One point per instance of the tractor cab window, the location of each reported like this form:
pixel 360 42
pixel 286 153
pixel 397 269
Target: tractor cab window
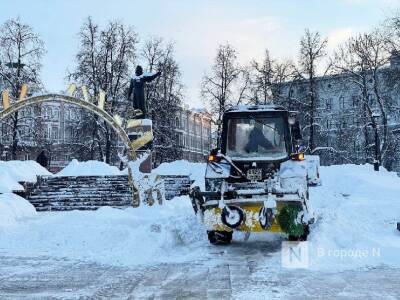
pixel 257 138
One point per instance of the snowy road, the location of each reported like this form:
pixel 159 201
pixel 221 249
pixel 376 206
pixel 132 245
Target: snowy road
pixel 231 274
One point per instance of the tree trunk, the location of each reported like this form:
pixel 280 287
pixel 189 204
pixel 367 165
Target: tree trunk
pixel 14 147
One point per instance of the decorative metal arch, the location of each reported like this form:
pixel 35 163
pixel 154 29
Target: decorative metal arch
pixel 115 123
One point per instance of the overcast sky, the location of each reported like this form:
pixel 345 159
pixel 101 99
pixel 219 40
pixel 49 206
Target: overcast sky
pixel 196 27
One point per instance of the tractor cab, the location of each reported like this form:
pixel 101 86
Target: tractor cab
pixel 255 140
pixel 259 137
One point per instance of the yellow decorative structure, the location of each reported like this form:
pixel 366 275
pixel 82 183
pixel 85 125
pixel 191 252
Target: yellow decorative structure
pixel 71 89
pixel 102 100
pixel 6 99
pixel 133 123
pixel 118 120
pixel 115 121
pixel 85 93
pixel 146 138
pixel 24 91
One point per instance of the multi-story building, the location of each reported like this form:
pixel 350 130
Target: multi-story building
pixel 50 126
pixel 193 132
pixel 343 127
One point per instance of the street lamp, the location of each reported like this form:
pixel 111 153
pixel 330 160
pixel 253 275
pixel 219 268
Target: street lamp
pixel 376 116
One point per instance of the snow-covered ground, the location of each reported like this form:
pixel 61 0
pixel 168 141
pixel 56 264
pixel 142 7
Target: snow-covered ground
pixel 14 209
pixel 356 212
pixel 88 168
pixel 133 236
pixel 196 171
pixel 12 172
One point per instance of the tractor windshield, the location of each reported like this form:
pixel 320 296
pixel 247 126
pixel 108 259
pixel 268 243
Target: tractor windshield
pixel 257 138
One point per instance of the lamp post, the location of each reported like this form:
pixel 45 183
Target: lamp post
pixel 376 116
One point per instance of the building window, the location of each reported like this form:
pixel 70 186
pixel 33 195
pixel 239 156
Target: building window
pixel 341 102
pixel 48 132
pixel 355 100
pixel 54 133
pixel 290 93
pixel 329 103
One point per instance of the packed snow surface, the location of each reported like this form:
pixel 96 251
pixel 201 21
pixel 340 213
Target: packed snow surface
pixel 88 168
pixel 14 209
pixel 14 171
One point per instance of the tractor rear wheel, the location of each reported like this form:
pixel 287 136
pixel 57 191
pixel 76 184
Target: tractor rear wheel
pixel 219 237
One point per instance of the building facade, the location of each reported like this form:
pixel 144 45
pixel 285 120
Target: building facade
pixel 345 105
pixel 193 134
pixel 49 127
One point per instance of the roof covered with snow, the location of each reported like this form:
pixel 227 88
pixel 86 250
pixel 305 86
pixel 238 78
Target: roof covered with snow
pixel 266 107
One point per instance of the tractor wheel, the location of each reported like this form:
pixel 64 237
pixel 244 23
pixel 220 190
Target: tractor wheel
pixel 219 237
pixel 232 217
pixel 302 237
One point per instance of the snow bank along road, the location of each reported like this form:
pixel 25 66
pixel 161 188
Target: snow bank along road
pixel 163 252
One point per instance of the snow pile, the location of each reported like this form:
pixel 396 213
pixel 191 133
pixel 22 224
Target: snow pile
pixel 357 210
pixel 168 233
pixel 12 172
pixel 89 168
pixel 196 171
pixel 13 209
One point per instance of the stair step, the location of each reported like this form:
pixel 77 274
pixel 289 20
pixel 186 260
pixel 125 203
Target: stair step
pixel 81 192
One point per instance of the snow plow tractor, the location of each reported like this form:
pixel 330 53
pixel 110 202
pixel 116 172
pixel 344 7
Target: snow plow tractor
pixel 257 180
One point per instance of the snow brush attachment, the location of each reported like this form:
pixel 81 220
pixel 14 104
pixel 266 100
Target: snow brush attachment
pixel 232 216
pixel 288 219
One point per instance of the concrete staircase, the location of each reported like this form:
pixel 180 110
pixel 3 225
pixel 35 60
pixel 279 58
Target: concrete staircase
pixel 80 192
pixel 176 185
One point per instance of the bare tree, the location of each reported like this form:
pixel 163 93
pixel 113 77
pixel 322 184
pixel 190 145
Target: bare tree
pixel 218 87
pixel 104 61
pixel 362 59
pixel 268 79
pixel 21 51
pixel 312 50
pixel 263 79
pixel 164 96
